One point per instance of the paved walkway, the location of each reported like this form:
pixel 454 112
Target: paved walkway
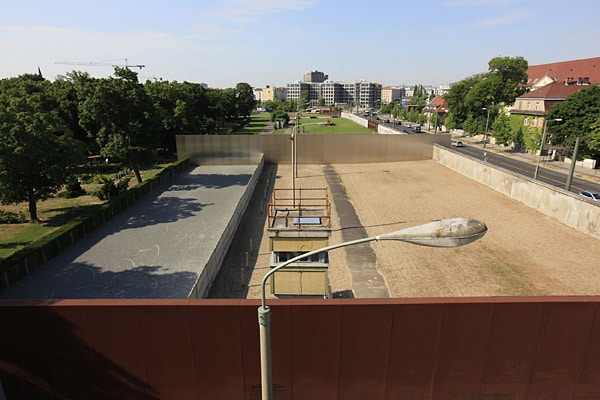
pixel 361 259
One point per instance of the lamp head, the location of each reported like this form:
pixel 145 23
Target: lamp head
pixel 452 232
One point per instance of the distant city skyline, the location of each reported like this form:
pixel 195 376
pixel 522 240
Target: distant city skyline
pixel 275 42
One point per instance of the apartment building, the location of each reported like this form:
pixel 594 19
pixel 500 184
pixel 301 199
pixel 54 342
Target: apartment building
pixel 271 93
pixel 315 77
pixel 391 94
pixel 363 94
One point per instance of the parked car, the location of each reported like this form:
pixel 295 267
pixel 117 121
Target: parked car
pixel 457 143
pixel 590 195
pixel 416 129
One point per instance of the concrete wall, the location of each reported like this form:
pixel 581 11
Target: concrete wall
pixel 376 349
pixel 359 120
pixel 211 269
pixel 563 206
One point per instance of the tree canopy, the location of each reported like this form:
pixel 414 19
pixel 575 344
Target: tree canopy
pixel 580 116
pixel 36 147
pixel 473 98
pixel 119 114
pixel 48 127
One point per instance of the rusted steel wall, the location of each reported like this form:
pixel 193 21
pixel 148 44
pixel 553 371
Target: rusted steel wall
pixel 466 348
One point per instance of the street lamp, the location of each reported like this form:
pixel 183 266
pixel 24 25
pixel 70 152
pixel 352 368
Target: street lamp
pixel 537 167
pixel 452 232
pixel 572 168
pixel 487 121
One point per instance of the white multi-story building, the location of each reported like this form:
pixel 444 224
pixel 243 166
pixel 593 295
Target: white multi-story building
pixel 363 94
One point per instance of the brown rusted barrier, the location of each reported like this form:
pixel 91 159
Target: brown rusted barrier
pixel 442 348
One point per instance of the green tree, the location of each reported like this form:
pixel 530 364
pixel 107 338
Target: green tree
pixel 458 110
pixel 36 147
pixel 303 101
pixel 519 137
pixel 180 109
pixel 502 84
pixel 502 131
pixel 594 143
pixel 472 125
pixel 579 114
pixel 245 102
pixel 120 115
pixel 67 94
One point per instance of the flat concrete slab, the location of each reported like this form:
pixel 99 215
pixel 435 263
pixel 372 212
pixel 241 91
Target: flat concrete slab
pixel 155 249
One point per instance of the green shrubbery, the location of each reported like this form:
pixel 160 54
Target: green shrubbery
pixel 8 217
pixel 110 189
pixel 72 188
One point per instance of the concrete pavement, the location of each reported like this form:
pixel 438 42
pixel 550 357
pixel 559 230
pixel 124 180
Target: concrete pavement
pixel 155 249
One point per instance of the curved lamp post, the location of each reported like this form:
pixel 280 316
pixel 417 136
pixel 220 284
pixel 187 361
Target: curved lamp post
pixel 487 121
pixel 452 232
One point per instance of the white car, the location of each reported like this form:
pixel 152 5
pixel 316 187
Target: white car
pixel 590 195
pixel 457 143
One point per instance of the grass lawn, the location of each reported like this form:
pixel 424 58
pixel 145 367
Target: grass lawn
pixel 323 124
pixel 257 125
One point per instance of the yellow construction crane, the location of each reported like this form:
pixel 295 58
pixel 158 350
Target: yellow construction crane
pixel 100 64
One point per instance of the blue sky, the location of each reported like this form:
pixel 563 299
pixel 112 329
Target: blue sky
pixel 274 42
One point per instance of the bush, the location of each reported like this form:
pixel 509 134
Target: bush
pixel 72 188
pixel 8 217
pixel 109 189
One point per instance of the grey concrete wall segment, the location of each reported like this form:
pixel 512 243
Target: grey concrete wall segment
pixel 311 149
pixel 157 249
pixel 208 274
pixel 551 201
pixel 359 120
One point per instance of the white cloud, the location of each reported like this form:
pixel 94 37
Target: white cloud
pixel 483 3
pixel 249 10
pixel 502 19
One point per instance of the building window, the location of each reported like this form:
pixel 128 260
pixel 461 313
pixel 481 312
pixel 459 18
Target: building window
pixel 288 255
pixel 537 105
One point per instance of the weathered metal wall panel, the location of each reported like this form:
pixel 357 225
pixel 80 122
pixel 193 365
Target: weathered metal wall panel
pixel 468 348
pixel 310 149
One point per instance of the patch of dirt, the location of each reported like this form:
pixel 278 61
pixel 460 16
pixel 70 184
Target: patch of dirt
pixel 524 252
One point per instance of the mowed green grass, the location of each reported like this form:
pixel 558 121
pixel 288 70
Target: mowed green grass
pixel 313 124
pixel 324 124
pixel 258 123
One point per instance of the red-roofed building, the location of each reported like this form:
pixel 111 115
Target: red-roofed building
pixel 436 112
pixel 550 84
pixel 574 71
pixel 539 101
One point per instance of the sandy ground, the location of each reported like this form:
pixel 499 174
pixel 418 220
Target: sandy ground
pixel 524 252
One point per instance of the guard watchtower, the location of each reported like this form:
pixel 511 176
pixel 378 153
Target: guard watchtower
pixel 299 222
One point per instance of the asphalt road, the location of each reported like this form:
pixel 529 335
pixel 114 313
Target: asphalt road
pixel 554 177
